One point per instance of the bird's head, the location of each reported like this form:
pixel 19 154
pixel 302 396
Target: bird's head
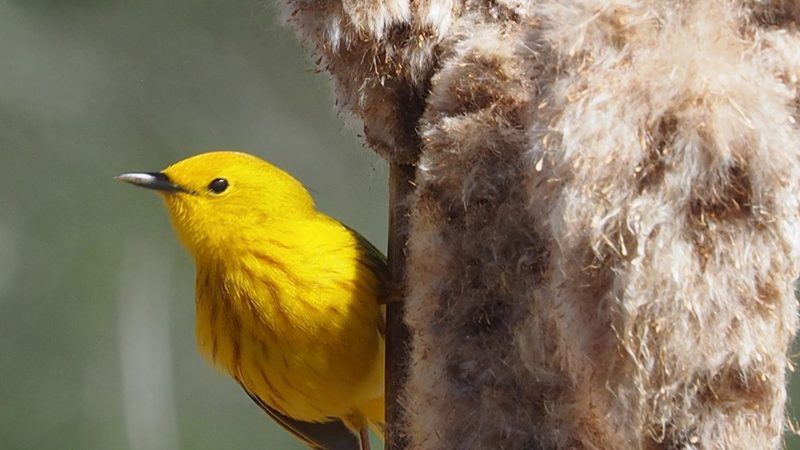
pixel 221 198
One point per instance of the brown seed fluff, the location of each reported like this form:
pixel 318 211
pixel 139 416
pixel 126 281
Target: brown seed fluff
pixel 605 228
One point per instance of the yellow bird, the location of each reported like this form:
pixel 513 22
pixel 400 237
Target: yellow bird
pixel 287 298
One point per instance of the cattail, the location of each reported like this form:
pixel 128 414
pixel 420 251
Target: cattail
pixel 604 227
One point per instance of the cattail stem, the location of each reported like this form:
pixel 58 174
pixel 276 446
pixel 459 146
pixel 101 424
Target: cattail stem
pixel 401 177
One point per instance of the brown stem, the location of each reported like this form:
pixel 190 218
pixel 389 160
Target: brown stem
pixel 401 179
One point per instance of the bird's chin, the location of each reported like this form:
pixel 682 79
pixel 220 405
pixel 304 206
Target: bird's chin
pixel 182 217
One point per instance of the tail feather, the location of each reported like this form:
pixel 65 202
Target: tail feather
pixel 332 435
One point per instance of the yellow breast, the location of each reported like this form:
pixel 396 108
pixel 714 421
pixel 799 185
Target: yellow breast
pixel 297 322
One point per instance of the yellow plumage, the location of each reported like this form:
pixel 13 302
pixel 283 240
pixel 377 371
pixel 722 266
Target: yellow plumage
pixel 287 298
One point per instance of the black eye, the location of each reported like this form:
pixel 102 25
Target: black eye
pixel 218 185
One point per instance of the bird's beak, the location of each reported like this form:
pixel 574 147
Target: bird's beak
pixel 151 180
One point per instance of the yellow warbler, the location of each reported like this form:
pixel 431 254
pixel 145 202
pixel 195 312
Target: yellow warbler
pixel 287 298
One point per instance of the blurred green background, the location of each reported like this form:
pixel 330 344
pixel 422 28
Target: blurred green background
pixel 96 298
pixel 97 343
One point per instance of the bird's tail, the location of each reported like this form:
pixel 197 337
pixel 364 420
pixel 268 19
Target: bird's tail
pixel 333 435
pixel 374 411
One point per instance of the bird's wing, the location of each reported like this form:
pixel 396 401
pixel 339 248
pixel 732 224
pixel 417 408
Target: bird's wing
pixel 371 256
pixel 332 435
pixel 375 261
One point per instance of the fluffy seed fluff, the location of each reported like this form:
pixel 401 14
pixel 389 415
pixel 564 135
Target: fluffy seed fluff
pixel 605 229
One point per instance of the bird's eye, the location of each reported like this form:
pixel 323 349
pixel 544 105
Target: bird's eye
pixel 218 185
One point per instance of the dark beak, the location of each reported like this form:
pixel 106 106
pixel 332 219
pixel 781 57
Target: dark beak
pixel 151 180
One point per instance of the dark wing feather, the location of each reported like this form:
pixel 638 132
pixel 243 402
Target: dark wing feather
pixel 371 257
pixel 332 435
pixel 375 261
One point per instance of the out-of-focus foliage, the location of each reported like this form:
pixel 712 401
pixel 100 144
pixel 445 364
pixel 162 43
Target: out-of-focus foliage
pixel 96 297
